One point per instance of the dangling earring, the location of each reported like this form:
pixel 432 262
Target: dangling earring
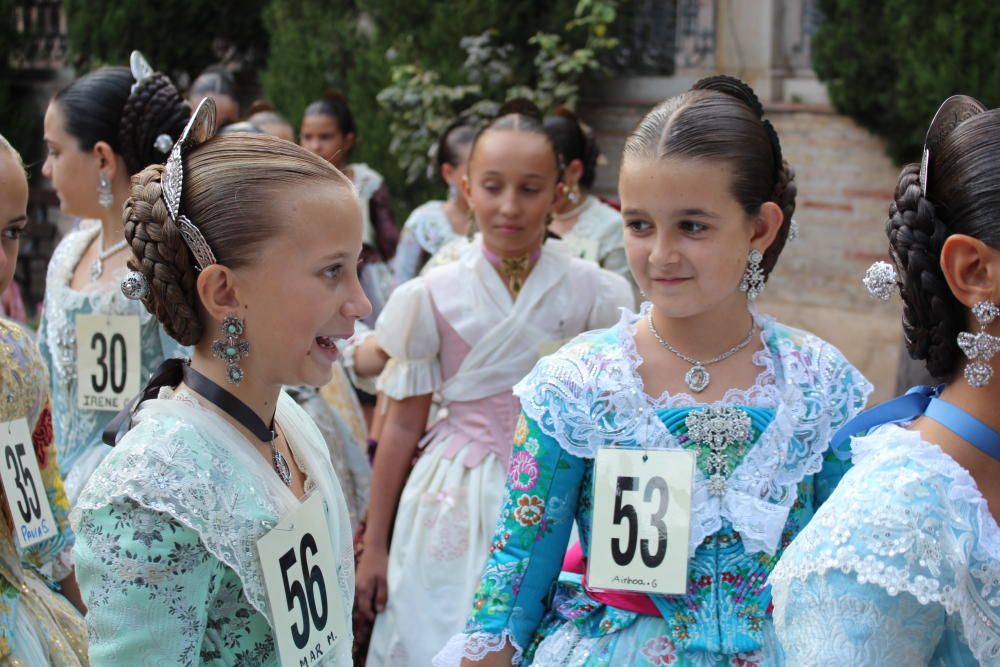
pixel 981 346
pixel 452 191
pixel 470 233
pixel 753 278
pixel 574 194
pixel 104 196
pixel 232 348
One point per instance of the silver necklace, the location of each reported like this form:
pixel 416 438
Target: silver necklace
pixel 698 377
pixel 97 268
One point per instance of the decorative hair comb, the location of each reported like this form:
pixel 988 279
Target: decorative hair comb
pixel 880 279
pixel 199 129
pixel 142 70
pixel 952 113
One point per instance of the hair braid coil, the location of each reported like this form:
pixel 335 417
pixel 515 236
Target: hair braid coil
pixel 160 254
pixel 932 316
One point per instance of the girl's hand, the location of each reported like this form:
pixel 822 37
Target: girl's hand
pixel 371 582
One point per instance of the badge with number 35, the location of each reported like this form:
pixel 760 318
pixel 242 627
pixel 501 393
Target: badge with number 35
pixel 22 485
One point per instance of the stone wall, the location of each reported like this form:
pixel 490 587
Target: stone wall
pixel 845 182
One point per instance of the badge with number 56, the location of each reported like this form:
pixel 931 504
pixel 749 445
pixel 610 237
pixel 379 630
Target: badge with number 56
pixel 642 520
pixel 300 572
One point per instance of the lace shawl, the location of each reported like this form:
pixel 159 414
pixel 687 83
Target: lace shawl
pixel 190 464
pixel 589 395
pixel 906 519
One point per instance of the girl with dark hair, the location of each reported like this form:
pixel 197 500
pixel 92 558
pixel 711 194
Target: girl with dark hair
pixel 902 565
pixel 466 331
pixel 593 229
pixel 219 499
pixel 100 348
pixel 328 130
pixel 434 224
pixel 690 442
pixel 38 626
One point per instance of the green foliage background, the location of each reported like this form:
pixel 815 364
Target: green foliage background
pixel 889 64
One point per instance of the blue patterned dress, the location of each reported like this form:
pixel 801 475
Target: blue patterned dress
pixel 589 395
pixel 77 430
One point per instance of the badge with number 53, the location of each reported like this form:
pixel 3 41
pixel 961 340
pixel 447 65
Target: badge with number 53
pixel 642 520
pixel 300 572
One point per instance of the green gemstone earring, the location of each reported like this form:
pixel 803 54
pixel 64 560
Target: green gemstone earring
pixel 232 348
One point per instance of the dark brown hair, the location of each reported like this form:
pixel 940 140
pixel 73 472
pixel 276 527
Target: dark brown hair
pixel 720 118
pixel 963 197
pixel 231 184
pixel 519 115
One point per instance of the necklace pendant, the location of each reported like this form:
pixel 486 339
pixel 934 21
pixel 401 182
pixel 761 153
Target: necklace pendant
pixel 717 485
pixel 281 466
pixel 96 269
pixel 697 378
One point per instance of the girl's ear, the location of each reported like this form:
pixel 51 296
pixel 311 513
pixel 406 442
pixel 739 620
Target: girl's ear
pixel 766 225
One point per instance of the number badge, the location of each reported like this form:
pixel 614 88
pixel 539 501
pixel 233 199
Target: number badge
pixel 642 520
pixel 22 486
pixel 300 573
pixel 109 360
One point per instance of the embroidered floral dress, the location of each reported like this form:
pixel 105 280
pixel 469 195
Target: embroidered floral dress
pixel 426 231
pixel 78 430
pixel 588 396
pixel 900 567
pixel 37 625
pixel 167 529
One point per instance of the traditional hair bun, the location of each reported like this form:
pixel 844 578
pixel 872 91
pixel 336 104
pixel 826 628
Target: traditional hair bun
pixel 153 109
pixel 734 87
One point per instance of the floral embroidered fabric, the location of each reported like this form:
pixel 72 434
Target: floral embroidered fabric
pixel 589 395
pixel 902 566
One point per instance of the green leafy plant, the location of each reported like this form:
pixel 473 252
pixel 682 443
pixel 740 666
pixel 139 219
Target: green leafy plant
pixel 890 64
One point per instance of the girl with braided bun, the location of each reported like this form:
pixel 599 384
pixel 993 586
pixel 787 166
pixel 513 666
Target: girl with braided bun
pixel 38 625
pixel 902 565
pixel 100 130
pixel 217 460
pixel 690 442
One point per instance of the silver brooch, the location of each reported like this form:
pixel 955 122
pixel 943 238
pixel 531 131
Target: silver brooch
pixel 719 427
pixel 164 143
pixel 880 280
pixel 135 286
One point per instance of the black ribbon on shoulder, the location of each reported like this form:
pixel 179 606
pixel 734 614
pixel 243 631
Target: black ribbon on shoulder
pixel 169 374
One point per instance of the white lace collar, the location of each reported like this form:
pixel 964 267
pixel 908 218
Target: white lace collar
pixel 588 395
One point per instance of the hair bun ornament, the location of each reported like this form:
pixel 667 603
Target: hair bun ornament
pixel 953 112
pixel 141 69
pixel 199 129
pixel 733 87
pixel 135 286
pixel 880 280
pixel 520 106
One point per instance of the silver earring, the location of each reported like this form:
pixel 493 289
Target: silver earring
pixel 232 348
pixel 573 195
pixel 981 346
pixel 104 196
pixel 753 278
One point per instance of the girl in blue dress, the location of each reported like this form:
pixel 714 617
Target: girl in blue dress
pixel 902 565
pixel 698 374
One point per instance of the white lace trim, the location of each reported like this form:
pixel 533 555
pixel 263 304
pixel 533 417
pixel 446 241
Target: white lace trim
pixel 475 646
pixel 933 554
pixel 589 395
pixel 410 377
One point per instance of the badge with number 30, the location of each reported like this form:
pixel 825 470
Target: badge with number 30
pixel 642 520
pixel 300 573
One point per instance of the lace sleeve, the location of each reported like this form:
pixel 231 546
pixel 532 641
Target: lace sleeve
pixel 543 485
pixel 833 620
pixel 146 581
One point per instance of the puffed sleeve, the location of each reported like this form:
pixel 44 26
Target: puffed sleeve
pixel 613 293
pixel 146 580
pixel 532 532
pixel 408 333
pixel 348 350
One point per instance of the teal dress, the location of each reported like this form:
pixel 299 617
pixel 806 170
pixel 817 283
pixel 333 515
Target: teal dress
pixel 78 430
pixel 589 396
pixel 167 528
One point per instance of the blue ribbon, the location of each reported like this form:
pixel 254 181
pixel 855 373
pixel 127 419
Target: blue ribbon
pixel 919 401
